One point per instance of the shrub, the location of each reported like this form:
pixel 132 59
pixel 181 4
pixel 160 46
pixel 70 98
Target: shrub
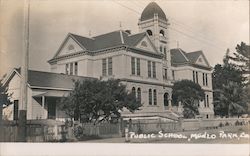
pixel 221 125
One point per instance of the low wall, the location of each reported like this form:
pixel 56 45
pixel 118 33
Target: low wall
pixel 196 124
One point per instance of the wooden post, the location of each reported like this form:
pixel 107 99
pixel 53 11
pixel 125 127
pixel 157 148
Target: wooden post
pixel 21 131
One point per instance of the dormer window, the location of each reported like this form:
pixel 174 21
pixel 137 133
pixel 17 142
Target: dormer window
pixel 162 33
pixel 149 32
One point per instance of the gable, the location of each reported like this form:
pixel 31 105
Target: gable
pixel 146 44
pixel 68 47
pixel 201 61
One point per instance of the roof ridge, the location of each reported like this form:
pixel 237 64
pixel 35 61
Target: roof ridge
pixel 136 34
pixel 122 39
pixel 106 33
pixel 182 52
pixel 81 36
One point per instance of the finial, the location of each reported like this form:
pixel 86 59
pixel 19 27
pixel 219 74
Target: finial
pixel 120 25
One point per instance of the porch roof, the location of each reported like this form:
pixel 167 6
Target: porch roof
pixel 52 93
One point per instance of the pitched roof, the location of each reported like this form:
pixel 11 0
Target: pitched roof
pixel 179 56
pixel 112 39
pixel 52 80
pixel 193 56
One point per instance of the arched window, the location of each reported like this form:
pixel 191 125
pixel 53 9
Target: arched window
pixel 162 33
pixel 133 91
pixel 139 94
pixel 155 97
pixel 150 96
pixel 166 99
pixel 160 48
pixel 149 32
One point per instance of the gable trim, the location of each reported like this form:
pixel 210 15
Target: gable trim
pixel 64 41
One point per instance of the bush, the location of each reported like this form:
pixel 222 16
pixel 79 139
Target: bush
pixel 221 125
pixel 78 132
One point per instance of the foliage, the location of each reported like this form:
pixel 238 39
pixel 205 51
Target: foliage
pixel 228 84
pixel 97 101
pixel 4 95
pixel 242 57
pixel 187 92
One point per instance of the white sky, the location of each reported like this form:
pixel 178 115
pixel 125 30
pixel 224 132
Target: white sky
pixel 208 25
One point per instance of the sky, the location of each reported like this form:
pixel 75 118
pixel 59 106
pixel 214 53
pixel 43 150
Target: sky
pixel 207 25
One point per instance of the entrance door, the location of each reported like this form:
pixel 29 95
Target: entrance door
pixel 51 108
pixel 15 115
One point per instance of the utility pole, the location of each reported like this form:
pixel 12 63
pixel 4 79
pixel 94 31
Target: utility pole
pixel 24 75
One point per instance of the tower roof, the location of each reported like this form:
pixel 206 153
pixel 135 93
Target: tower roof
pixel 151 9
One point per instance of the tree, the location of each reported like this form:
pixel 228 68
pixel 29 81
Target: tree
pixel 188 93
pixel 4 95
pixel 228 85
pixel 96 101
pixel 242 57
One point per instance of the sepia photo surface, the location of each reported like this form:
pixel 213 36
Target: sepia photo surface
pixel 124 77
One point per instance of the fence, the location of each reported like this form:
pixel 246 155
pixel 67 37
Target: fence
pixel 102 130
pixel 36 131
pixel 154 126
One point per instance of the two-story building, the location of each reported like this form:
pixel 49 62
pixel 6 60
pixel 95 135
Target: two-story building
pixel 142 61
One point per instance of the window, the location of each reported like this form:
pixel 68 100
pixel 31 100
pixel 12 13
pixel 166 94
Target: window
pixel 139 94
pixel 71 69
pixel 166 99
pixel 193 76
pixel 203 76
pixel 76 68
pixel 154 70
pixel 133 65
pixel 207 101
pixel 149 68
pixel 165 52
pixel 160 48
pixel 104 67
pixel 155 97
pixel 149 32
pixel 110 70
pixel 67 68
pixel 206 80
pixel 165 76
pixel 162 33
pixel 150 96
pixel 197 77
pixel 133 91
pixel 138 66
pixel 173 74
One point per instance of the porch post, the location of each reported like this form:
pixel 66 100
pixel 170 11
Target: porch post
pixel 43 113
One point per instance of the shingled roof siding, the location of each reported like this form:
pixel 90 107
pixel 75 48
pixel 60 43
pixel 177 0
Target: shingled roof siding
pixel 52 80
pixel 88 43
pixel 193 56
pixel 134 39
pixel 177 57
